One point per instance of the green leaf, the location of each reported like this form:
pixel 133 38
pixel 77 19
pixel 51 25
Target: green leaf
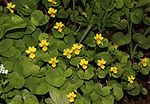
pixel 146 20
pixel 68 72
pixel 137 15
pixel 75 61
pixel 29 98
pixel 5 44
pixel 17 99
pixel 118 93
pixel 62 13
pixel 9 65
pixel 119 4
pixel 88 87
pixel 135 91
pixel 32 83
pixel 54 78
pixel 108 99
pixel 58 96
pixel 69 40
pixel 19 45
pixel 16 34
pixel 9 53
pixel 88 74
pixel 144 91
pixel 103 91
pixel 120 39
pixel 10 22
pixel 141 40
pixel 38 18
pixel 16 79
pixel 57 34
pixel 43 36
pixel 43 87
pixel 66 3
pixel 90 54
pixel 83 1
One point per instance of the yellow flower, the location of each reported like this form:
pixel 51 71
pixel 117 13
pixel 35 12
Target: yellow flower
pixel 31 50
pixel 52 12
pixel 83 63
pixel 53 2
pixel 101 63
pixel 85 14
pixel 131 79
pixel 10 7
pixel 114 69
pixel 32 55
pixel 53 62
pixel 115 46
pixel 71 96
pixel 43 43
pixel 77 48
pixel 98 38
pixel 67 52
pixel 144 61
pixel 59 26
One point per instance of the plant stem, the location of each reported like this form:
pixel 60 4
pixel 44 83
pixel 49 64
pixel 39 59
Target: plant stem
pixel 85 33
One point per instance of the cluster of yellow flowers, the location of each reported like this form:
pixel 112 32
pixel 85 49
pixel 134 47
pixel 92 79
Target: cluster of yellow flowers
pixel 83 63
pixel 98 38
pixel 31 51
pixel 53 62
pixel 44 44
pixel 76 48
pixel 51 11
pixel 11 7
pixel 131 79
pixel 101 63
pixel 71 96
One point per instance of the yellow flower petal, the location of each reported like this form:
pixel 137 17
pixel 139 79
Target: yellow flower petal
pixel 32 55
pixel 71 99
pixel 44 48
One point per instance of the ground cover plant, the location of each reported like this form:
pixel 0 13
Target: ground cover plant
pixel 73 51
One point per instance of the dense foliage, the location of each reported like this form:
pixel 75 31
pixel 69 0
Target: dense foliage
pixel 73 51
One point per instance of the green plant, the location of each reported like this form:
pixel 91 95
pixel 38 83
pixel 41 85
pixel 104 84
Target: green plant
pixel 73 51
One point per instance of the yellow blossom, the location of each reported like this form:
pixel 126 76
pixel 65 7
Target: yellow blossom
pixel 114 69
pixel 11 7
pixel 77 48
pixel 43 43
pixel 83 63
pixel 85 14
pixel 115 46
pixel 32 55
pixel 59 26
pixel 67 52
pixel 131 79
pixel 144 62
pixel 101 63
pixel 53 2
pixel 31 50
pixel 52 12
pixel 53 62
pixel 98 38
pixel 71 96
